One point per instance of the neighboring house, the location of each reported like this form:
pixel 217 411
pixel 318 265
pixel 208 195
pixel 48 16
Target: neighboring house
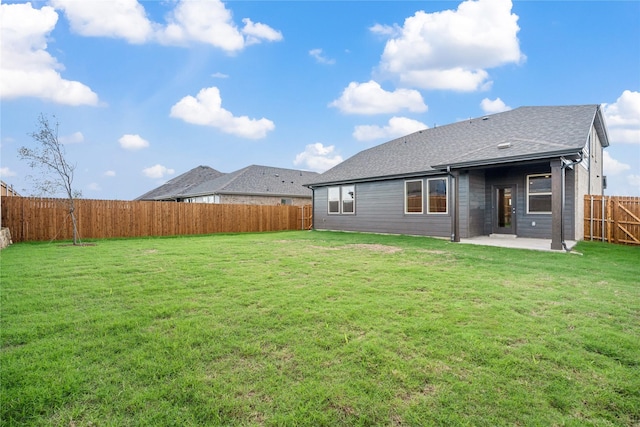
pixel 522 172
pixel 7 190
pixel 174 189
pixel 254 185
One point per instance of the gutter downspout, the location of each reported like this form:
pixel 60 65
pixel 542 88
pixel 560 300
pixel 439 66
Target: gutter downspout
pixel 566 163
pixel 313 206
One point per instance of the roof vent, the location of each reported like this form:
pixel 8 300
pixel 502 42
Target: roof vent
pixel 504 145
pixel 485 118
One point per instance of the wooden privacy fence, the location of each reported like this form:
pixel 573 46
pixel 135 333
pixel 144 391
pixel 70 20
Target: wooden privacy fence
pixel 612 219
pixel 32 219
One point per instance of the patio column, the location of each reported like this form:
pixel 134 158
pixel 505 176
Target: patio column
pixel 556 204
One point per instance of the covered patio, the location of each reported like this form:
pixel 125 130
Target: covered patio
pixel 512 241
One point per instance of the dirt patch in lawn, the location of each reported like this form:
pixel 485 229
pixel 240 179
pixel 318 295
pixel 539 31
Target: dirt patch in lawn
pixel 375 248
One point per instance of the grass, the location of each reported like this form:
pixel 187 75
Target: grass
pixel 318 328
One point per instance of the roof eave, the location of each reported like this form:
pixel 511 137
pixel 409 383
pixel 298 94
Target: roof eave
pixel 240 193
pixel 511 159
pixel 374 178
pixel 601 127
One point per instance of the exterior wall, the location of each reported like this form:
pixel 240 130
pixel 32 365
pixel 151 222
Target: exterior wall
pixel 527 225
pixel 7 190
pixel 379 208
pixel 472 203
pixel 589 179
pixel 262 200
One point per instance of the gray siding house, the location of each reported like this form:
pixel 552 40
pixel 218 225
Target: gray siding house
pixel 523 172
pixel 252 185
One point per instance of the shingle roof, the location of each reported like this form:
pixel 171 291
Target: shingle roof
pixel 258 180
pixel 181 183
pixel 524 133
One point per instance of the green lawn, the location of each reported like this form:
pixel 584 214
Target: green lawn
pixel 318 328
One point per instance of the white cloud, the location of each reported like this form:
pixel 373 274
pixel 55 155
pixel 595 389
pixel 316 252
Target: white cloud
pixel 320 58
pixel 110 173
pixel 94 186
pixel 634 181
pixel 612 166
pixel 623 118
pixel 205 22
pixel 133 142
pixel 370 98
pixel 211 23
pixel 219 75
pixel 74 138
pixel 386 30
pixel 208 22
pixel 157 171
pixel 317 157
pixel 5 172
pixel 27 69
pixel 256 32
pixel 206 109
pixel 495 106
pixel 398 126
pixel 114 18
pixel 452 49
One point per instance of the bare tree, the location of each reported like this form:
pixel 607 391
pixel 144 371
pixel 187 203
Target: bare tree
pixel 49 157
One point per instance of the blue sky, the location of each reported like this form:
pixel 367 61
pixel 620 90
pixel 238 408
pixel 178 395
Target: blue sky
pixel 146 90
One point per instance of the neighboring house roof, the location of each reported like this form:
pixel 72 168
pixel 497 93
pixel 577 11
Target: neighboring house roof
pixel 522 134
pixel 258 180
pixel 173 188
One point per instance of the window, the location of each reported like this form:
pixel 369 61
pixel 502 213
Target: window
pixel 539 193
pixel 342 199
pixel 203 199
pixel 413 197
pixel 334 200
pixel 286 202
pixel 348 199
pixel 437 201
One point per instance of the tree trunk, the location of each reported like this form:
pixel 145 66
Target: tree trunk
pixel 72 212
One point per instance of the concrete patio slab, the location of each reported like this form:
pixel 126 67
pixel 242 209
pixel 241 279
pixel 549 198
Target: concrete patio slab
pixel 510 241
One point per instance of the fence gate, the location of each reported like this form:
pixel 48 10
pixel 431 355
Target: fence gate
pixel 307 217
pixel 612 219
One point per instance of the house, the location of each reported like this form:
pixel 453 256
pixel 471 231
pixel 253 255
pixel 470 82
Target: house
pixel 523 172
pixel 7 190
pixel 255 185
pixel 173 189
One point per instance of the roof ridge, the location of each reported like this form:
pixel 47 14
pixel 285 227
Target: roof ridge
pixel 236 175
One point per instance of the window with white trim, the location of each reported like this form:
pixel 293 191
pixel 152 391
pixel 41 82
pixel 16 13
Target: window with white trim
pixel 333 200
pixel 215 198
pixel 437 200
pixel 413 197
pixel 348 199
pixel 341 200
pixel 539 193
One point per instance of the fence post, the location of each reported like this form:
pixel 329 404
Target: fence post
pixel 591 220
pixel 603 219
pixel 610 220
